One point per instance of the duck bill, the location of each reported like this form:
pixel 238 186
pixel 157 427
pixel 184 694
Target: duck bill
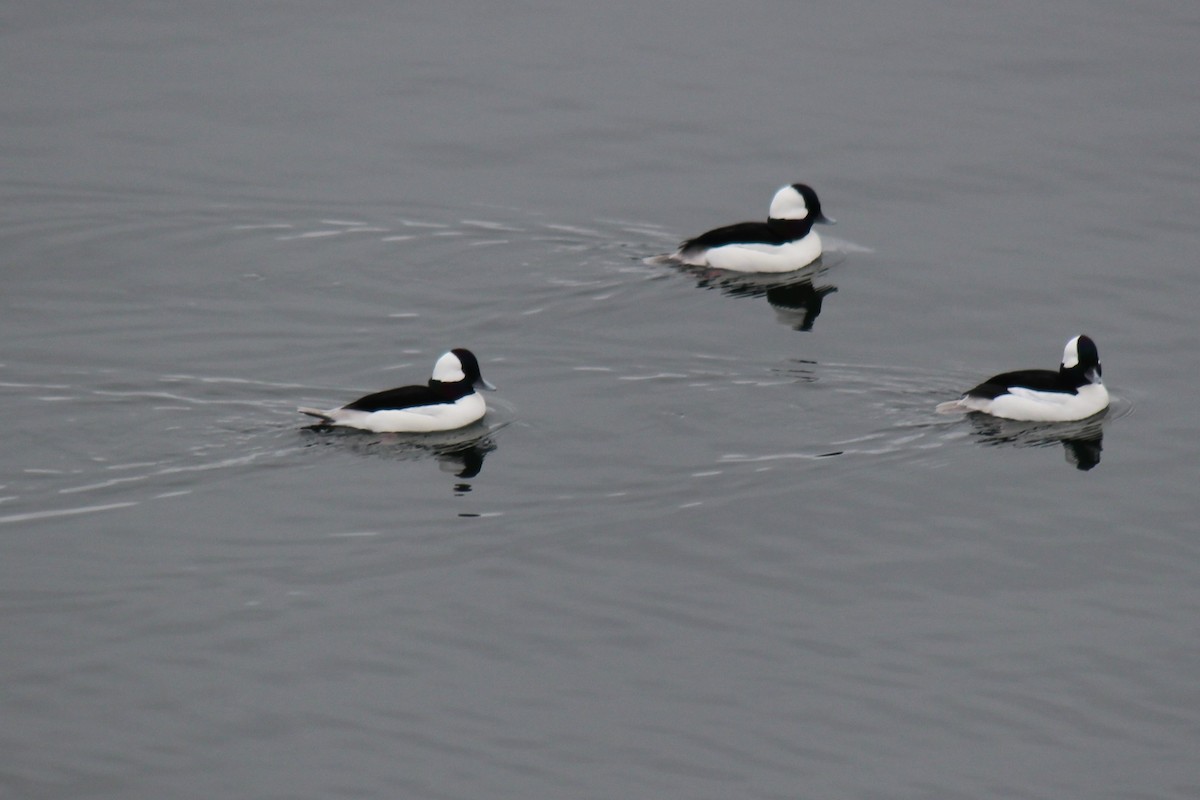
pixel 824 220
pixel 485 384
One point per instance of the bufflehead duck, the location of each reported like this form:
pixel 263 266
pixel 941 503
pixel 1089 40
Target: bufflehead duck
pixel 447 402
pixel 1042 395
pixel 785 242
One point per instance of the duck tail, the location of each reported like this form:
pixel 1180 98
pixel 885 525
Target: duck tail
pixel 666 259
pixel 316 412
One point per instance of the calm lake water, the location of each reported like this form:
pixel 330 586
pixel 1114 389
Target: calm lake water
pixel 712 541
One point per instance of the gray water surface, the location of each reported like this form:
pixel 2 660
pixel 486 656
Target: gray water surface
pixel 712 540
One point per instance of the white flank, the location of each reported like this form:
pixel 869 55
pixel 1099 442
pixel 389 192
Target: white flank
pixel 1033 406
pixel 750 257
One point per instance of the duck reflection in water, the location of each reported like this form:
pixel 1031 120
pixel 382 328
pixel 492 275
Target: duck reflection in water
pixel 459 453
pixel 795 297
pixel 1082 441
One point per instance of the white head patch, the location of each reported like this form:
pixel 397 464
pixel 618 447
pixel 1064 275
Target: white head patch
pixel 1071 354
pixel 788 204
pixel 448 369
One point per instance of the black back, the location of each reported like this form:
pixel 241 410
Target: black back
pixel 412 396
pixel 1042 380
pixel 773 231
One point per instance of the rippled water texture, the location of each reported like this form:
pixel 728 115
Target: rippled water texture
pixel 711 540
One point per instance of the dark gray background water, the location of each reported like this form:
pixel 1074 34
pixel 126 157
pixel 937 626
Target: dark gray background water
pixel 705 554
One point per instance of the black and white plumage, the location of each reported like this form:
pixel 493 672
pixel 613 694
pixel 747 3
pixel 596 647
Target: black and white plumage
pixel 448 402
pixel 1074 392
pixel 785 242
